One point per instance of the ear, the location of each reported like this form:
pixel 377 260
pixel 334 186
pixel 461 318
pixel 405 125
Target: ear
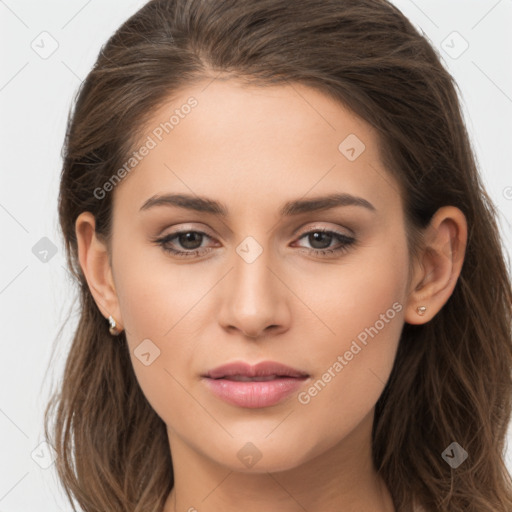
pixel 439 264
pixel 94 260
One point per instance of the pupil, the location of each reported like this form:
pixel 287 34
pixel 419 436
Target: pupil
pixel 188 238
pixel 314 237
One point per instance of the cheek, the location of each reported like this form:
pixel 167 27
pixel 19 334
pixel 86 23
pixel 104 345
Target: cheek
pixel 351 296
pixel 159 341
pixel 367 319
pixel 159 303
pixel 155 293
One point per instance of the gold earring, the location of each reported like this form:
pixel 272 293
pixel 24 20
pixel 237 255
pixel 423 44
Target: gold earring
pixel 421 310
pixel 113 326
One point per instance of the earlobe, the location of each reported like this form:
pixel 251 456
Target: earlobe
pixel 441 262
pixel 94 260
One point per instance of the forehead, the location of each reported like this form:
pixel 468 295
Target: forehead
pixel 248 144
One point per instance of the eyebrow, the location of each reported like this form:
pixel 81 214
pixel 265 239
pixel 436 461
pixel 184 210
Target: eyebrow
pixel 290 208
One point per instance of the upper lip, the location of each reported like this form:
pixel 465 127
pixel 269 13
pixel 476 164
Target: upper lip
pixel 263 369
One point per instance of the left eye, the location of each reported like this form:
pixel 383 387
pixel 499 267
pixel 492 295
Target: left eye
pixel 187 239
pixel 191 241
pixel 321 236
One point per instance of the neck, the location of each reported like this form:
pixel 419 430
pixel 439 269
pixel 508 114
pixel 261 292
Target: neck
pixel 342 478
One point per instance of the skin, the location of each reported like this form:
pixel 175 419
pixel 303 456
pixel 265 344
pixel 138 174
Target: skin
pixel 253 149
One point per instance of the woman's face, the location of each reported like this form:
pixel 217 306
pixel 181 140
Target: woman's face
pixel 261 283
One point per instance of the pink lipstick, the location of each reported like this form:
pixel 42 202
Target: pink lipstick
pixel 254 386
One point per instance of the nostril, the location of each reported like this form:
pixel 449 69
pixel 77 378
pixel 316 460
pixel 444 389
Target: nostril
pixel 269 328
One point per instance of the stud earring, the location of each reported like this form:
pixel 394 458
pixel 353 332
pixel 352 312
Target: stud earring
pixel 113 326
pixel 421 310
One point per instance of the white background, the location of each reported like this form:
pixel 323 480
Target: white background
pixel 35 96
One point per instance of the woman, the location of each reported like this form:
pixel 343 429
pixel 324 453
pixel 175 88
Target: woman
pixel 293 293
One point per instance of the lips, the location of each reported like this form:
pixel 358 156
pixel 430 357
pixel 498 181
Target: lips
pixel 265 370
pixel 261 385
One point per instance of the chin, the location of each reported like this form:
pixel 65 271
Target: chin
pixel 259 456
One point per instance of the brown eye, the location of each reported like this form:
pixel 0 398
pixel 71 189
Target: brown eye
pixel 321 239
pixel 189 240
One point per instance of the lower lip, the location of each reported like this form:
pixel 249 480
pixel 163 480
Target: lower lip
pixel 254 394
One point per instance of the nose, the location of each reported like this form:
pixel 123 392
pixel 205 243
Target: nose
pixel 254 299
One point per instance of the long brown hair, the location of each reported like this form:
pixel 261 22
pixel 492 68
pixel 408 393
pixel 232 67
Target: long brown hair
pixel 451 381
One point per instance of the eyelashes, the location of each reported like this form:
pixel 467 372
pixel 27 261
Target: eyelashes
pixel 344 243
